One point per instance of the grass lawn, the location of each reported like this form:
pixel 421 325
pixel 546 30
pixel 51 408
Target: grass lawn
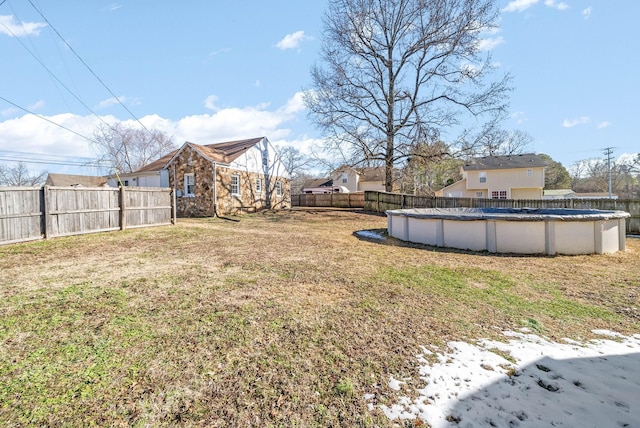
pixel 278 319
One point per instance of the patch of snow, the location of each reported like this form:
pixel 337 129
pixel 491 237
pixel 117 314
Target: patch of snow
pixel 590 384
pixel 395 384
pixel 370 234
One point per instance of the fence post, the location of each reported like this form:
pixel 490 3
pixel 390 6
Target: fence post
pixel 45 212
pixel 174 208
pixel 123 216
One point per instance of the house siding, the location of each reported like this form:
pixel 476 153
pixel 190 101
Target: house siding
pixel 201 204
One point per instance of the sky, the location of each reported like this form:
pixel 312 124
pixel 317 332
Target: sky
pixel 213 71
pixel 590 383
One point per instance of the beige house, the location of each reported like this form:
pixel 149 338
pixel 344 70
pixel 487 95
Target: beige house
pixel 230 177
pixel 500 177
pixel 359 179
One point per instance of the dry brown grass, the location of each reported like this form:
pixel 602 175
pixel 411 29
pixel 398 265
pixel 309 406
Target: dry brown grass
pixel 280 319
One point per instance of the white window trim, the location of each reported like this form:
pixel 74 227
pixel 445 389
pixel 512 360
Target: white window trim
pixel 186 184
pixel 239 188
pixel 258 185
pixel 482 176
pixel 497 193
pixel 279 188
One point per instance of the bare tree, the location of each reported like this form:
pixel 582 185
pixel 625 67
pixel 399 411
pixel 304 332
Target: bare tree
pixel 398 71
pixel 493 140
pixel 430 168
pixel 126 149
pixel 19 175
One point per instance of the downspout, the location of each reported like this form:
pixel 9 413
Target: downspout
pixel 215 189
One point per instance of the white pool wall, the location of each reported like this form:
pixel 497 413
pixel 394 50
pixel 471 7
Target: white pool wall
pixel 542 235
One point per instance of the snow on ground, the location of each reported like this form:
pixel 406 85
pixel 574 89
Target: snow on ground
pixel 370 234
pixel 570 384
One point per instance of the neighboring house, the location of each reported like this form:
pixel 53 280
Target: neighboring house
pixel 64 180
pixel 222 178
pixel 359 179
pixel 558 194
pixel 320 185
pixel 500 177
pixel 570 194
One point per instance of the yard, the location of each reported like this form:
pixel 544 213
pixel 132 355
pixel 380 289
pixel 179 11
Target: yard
pixel 278 319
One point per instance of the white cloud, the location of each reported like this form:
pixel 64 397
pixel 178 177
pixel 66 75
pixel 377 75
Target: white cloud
pixel 604 124
pixel 114 6
pixel 219 51
pixel 570 123
pixel 292 41
pixel 522 5
pixel 491 43
pixel 587 13
pixel 36 106
pixel 35 135
pixel 109 102
pixel 210 103
pixel 9 111
pixel 10 27
pixel 559 6
pixel 519 117
pixel 519 5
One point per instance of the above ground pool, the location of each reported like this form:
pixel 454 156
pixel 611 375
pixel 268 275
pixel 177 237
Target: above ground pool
pixel 512 230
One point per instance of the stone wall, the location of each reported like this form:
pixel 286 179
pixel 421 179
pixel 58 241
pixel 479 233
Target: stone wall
pixel 202 203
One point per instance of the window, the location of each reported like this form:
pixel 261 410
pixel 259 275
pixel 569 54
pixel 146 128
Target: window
pixel 235 184
pixel 499 194
pixel 483 176
pixel 265 158
pixel 258 185
pixel 529 173
pixel 278 188
pixel 479 194
pixel 345 178
pixel 189 185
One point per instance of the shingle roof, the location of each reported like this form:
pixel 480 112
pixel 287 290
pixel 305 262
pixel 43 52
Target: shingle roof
pixel 63 180
pixel 318 182
pixel 225 152
pixel 505 162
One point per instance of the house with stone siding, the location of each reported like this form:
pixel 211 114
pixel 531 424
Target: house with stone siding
pixel 223 178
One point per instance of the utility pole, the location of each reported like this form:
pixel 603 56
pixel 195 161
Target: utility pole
pixel 608 151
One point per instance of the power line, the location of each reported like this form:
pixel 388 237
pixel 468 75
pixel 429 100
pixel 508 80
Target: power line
pixel 51 74
pixel 88 67
pixel 50 159
pixel 49 120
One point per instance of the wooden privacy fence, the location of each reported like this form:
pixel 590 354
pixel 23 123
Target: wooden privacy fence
pixel 382 201
pixel 31 213
pixel 337 200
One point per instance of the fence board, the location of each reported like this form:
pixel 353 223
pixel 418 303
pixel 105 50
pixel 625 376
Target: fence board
pixel 35 213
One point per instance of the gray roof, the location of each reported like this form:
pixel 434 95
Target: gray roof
pixel 525 160
pixel 75 180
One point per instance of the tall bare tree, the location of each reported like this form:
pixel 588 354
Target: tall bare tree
pixel 492 140
pixel 126 149
pixel 398 71
pixel 19 175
